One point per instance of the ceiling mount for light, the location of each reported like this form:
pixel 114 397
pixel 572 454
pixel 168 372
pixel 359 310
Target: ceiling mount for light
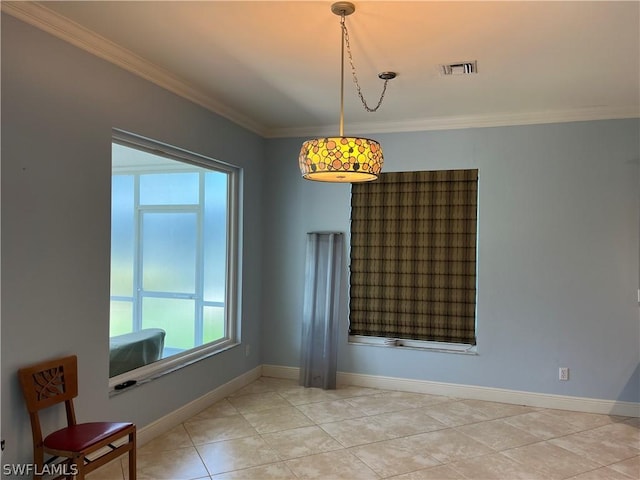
pixel 343 8
pixel 344 159
pixel 387 75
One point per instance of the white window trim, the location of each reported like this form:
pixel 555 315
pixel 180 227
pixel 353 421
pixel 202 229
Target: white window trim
pixel 404 344
pixel 162 367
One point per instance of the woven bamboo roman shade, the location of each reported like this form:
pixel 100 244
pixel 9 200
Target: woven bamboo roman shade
pixel 413 256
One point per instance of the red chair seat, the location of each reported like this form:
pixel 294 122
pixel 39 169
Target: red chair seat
pixel 76 438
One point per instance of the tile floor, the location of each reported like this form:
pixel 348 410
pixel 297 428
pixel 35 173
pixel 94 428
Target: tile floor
pixel 273 428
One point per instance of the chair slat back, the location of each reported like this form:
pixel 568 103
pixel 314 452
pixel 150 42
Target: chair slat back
pixel 48 383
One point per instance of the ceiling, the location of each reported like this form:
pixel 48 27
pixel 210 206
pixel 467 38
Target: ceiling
pixel 274 67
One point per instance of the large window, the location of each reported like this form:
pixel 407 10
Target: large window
pixel 413 258
pixel 174 224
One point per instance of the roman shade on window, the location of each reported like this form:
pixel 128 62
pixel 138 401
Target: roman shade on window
pixel 413 256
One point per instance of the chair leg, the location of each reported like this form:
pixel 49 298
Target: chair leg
pixel 132 456
pixel 38 461
pixel 79 463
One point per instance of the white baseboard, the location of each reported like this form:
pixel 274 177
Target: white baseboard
pixel 166 423
pixel 544 400
pixel 561 402
pixel 277 371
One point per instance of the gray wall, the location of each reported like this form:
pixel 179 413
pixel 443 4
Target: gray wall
pixel 59 105
pixel 558 241
pixel 558 257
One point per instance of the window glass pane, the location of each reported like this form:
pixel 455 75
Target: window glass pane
pixel 215 233
pixel 169 189
pixel 170 249
pixel 213 324
pixel 122 235
pixel 169 252
pixel 121 318
pixel 175 317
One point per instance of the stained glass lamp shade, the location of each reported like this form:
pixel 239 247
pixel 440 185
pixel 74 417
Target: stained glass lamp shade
pixel 343 159
pixel 340 159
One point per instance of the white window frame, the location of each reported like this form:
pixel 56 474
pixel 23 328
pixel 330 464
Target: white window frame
pixel 233 281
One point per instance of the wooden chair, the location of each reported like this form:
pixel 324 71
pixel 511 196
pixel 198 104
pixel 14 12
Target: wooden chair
pixel 55 381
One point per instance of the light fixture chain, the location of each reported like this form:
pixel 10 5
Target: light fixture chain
pixel 355 76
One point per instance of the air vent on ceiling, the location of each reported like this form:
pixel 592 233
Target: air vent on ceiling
pixel 461 68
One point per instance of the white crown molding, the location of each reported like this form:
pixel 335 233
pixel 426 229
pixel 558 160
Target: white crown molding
pixel 466 121
pixel 38 15
pixel 533 399
pixel 41 17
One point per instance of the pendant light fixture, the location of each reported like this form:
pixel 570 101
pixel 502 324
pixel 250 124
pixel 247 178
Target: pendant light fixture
pixel 344 159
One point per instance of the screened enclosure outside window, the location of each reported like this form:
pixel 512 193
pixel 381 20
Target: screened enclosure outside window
pixel 173 223
pixel 413 256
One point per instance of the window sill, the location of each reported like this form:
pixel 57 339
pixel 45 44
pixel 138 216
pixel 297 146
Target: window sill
pixel 403 344
pixel 154 370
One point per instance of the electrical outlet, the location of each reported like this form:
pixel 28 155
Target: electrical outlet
pixel 563 373
pixel 247 350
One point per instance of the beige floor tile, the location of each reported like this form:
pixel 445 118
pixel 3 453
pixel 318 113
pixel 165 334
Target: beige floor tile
pixel 277 419
pixel 605 445
pixel 603 473
pixel 581 420
pixel 630 467
pixel 338 465
pixel 498 410
pixel 496 466
pixel 179 464
pixel 498 434
pixel 416 400
pixel 273 471
pixel 303 396
pixel 542 426
pixel 553 461
pixel 110 471
pixel 389 401
pixel 276 429
pixel 376 404
pixel 454 414
pixel 257 386
pixel 633 421
pixel 216 429
pixel 177 437
pixel 278 384
pixel 254 402
pixel 333 411
pixel 446 445
pixel 393 457
pixel 406 422
pixel 351 391
pixel 125 465
pixel 237 454
pixel 299 442
pixel 219 409
pixel 622 432
pixel 442 472
pixel 354 432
